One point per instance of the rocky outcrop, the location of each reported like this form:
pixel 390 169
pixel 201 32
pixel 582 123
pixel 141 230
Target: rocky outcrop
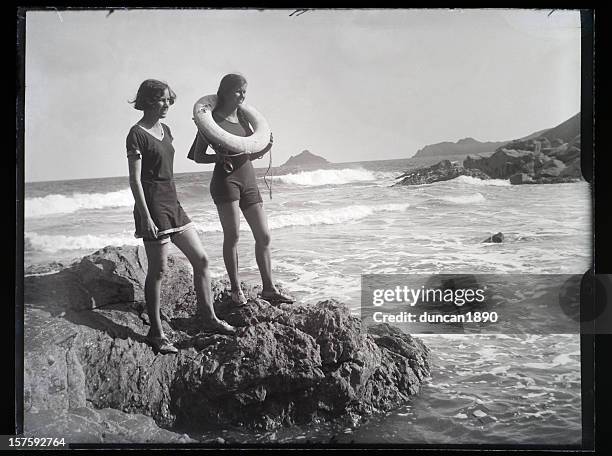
pixel 547 156
pixel 496 238
pixel 502 164
pixel 552 157
pixel 305 159
pixel 87 366
pixel 530 167
pixel 442 171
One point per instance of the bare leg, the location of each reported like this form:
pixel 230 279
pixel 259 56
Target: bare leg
pixel 157 266
pixel 189 243
pixel 256 218
pixel 229 215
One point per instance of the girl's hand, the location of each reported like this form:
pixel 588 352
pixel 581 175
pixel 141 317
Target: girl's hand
pixel 150 229
pixel 257 155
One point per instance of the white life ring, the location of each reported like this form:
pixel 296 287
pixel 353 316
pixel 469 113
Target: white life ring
pixel 202 115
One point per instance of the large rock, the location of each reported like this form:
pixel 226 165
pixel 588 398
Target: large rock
pixel 572 168
pixel 495 238
pixel 566 154
pixel 544 166
pixel 85 350
pixel 552 168
pixel 521 178
pixel 442 171
pixel 503 163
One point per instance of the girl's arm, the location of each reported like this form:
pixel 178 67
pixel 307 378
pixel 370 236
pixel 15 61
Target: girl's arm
pixel 198 149
pixel 135 165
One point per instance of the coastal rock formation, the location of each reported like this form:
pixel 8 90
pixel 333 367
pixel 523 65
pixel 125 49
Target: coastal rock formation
pixel 444 170
pixel 87 365
pixel 529 167
pixel 544 157
pixel 305 159
pixel 552 157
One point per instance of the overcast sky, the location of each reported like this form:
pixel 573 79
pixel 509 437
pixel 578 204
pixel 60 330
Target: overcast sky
pixel 349 85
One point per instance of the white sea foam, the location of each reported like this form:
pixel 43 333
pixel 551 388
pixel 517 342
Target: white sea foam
pixel 475 181
pixel 64 204
pixel 464 199
pixel 331 177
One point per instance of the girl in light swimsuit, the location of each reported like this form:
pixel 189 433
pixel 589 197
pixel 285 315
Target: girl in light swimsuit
pixel 158 215
pixel 236 189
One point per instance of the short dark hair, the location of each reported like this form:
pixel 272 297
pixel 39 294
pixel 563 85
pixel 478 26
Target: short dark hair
pixel 148 93
pixel 230 82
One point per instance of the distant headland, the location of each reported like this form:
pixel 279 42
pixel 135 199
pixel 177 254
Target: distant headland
pixel 305 159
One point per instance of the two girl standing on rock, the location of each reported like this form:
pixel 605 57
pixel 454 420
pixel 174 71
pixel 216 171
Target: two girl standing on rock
pixel 159 217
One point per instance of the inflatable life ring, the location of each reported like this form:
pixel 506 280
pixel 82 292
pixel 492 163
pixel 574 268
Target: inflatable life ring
pixel 202 115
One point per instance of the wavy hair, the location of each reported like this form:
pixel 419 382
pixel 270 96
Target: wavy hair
pixel 149 92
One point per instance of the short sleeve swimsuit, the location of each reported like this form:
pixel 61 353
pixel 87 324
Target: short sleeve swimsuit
pixel 157 180
pixel 239 185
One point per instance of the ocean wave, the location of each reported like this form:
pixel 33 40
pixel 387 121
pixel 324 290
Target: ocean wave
pixel 464 199
pixel 331 216
pixel 55 243
pixel 475 181
pixel 321 177
pixel 63 204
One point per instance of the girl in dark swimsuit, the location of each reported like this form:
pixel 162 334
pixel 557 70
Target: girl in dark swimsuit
pixel 158 215
pixel 236 190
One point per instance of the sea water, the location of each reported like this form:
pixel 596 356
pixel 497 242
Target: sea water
pixel 328 227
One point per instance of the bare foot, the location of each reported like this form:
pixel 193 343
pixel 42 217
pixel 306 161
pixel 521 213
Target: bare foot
pixel 161 344
pixel 275 296
pixel 219 327
pixel 238 297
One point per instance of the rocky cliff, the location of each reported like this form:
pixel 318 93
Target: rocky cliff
pixel 90 376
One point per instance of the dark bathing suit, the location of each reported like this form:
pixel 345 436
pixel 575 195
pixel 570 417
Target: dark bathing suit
pixel 157 180
pixel 239 185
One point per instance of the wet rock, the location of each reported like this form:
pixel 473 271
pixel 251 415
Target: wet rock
pixel 521 178
pixel 287 363
pixel 442 171
pixel 497 237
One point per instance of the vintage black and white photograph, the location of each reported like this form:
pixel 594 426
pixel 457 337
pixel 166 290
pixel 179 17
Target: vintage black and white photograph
pixel 207 192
